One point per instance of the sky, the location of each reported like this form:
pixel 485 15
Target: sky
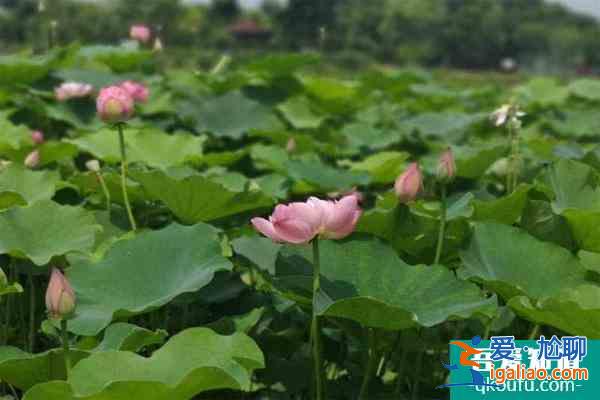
pixel 583 6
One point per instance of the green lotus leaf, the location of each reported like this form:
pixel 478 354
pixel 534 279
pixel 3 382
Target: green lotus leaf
pixel 46 229
pixel 511 262
pixel 144 273
pixel 150 146
pixel 172 373
pixel 195 198
pixel 28 186
pixel 298 112
pixel 128 337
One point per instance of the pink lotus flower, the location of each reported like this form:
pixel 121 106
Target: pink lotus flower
pixel 72 90
pixel 409 183
pixel 114 104
pixel 32 160
pixel 60 297
pixel 37 137
pixel 141 33
pixel 300 222
pixel 137 91
pixel 446 169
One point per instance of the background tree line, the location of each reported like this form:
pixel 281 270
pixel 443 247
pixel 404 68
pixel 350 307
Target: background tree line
pixel 457 33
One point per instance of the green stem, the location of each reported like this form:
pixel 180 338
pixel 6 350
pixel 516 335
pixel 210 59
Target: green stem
pixel 441 234
pixel 371 364
pixel 400 371
pixel 105 190
pixel 124 177
pixel 315 330
pixel 31 338
pixel 65 345
pixel 10 268
pixel 535 332
pixel 416 384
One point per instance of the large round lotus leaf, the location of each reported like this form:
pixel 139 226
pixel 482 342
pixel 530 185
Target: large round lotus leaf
pixel 150 146
pixel 387 294
pixel 575 310
pixel 28 186
pixel 23 370
pixel 512 262
pixel 12 137
pixel 143 273
pixel 195 198
pixel 46 229
pixel 123 58
pixel 194 361
pixel 232 115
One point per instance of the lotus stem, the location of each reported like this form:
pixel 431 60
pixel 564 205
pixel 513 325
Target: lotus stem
pixel 442 231
pixel 124 177
pixel 371 365
pixel 535 332
pixel 65 346
pixel 315 329
pixel 31 337
pixel 105 190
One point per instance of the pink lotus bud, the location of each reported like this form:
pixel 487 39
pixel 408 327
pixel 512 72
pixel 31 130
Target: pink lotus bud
pixel 409 183
pixel 37 137
pixel 338 217
pixel 446 169
pixel 136 90
pixel 93 165
pixel 32 160
pixel 114 104
pixel 72 90
pixel 141 33
pixel 60 297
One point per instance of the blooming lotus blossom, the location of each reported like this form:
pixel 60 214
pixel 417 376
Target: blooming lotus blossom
pixel 37 137
pixel 507 113
pixel 141 33
pixel 137 91
pixel 114 104
pixel 300 222
pixel 446 168
pixel 60 297
pixel 32 160
pixel 72 90
pixel 409 183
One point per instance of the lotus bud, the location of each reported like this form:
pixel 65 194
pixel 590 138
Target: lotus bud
pixel 409 184
pixel 291 145
pixel 60 297
pixel 37 137
pixel 446 169
pixel 93 165
pixel 158 45
pixel 141 33
pixel 32 160
pixel 114 104
pixel 137 91
pixel 3 278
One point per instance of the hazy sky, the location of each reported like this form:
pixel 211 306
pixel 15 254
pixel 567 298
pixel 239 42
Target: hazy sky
pixel 583 6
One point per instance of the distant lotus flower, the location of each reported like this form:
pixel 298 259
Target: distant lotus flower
pixel 93 165
pixel 446 168
pixel 141 33
pixel 32 160
pixel 37 137
pixel 409 183
pixel 300 222
pixel 114 104
pixel 137 91
pixel 507 112
pixel 60 297
pixel 72 90
pixel 158 45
